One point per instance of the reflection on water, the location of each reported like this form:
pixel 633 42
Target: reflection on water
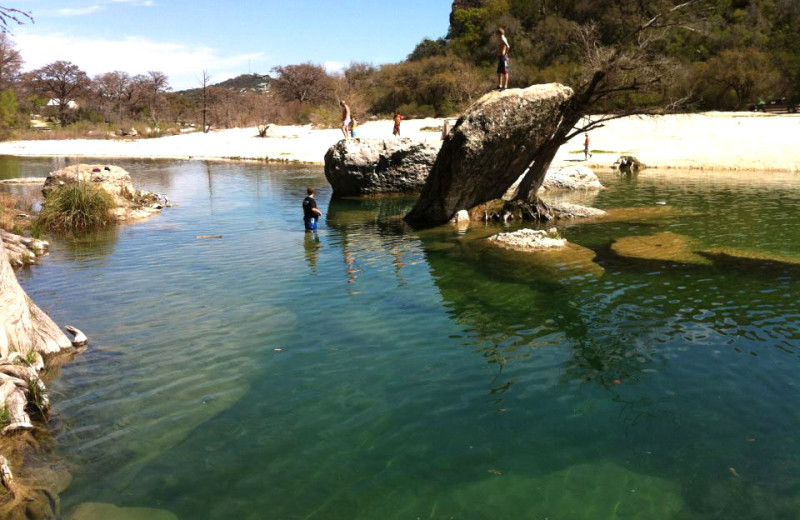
pixel 368 371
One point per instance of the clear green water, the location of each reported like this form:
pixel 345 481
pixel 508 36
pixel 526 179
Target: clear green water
pixel 424 375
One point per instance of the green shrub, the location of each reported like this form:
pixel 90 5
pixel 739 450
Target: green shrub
pixel 74 208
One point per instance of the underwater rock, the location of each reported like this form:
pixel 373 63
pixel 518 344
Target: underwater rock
pixel 666 246
pixel 585 491
pixel 98 511
pixel 544 264
pixel 748 255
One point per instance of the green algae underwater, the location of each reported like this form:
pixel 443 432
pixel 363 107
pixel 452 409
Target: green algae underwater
pixel 370 371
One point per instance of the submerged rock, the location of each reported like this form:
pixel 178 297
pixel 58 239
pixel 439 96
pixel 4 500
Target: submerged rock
pixel 488 149
pixel 584 491
pixel 130 203
pixel 24 180
pixel 748 255
pixel 505 211
pixel 368 166
pixel 98 511
pixel 666 246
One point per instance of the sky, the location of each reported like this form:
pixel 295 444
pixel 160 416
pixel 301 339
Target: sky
pixel 182 38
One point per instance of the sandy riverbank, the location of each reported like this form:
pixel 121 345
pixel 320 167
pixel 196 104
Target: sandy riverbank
pixel 714 140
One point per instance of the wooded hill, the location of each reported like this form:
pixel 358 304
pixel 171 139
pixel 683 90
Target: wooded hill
pixel 732 53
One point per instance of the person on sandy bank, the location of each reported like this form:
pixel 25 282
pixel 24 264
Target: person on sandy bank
pixel 353 126
pixel 503 65
pixel 586 153
pixel 345 118
pixel 397 120
pixel 311 213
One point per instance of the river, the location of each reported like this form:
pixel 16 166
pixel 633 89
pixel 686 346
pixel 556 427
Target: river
pixel 371 372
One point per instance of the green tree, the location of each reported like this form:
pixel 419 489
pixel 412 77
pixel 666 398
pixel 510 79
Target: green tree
pixel 9 109
pixel 63 82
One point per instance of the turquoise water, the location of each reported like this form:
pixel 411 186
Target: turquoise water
pixel 373 372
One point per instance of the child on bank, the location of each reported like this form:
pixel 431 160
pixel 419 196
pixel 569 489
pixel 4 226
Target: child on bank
pixel 397 120
pixel 353 126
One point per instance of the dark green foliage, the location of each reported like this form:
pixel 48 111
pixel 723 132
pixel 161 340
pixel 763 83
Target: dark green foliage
pixel 731 54
pixel 74 208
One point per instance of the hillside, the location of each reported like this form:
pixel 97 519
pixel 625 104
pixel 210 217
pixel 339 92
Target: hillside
pixel 242 82
pixel 730 54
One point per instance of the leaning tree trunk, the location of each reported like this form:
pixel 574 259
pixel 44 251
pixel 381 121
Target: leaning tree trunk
pixel 537 169
pixel 24 327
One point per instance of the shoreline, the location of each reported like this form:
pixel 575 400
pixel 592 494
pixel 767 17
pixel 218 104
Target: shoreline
pixel 738 141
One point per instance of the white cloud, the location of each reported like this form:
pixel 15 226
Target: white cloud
pixel 334 66
pixel 91 9
pixel 181 62
pixel 79 11
pixel 138 3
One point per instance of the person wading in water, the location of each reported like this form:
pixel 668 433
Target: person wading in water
pixel 311 213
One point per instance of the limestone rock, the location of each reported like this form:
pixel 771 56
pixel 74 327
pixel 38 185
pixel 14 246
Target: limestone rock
pixel 530 239
pixel 21 250
pixel 571 178
pixel 367 166
pixel 567 210
pixel 489 148
pixel 130 203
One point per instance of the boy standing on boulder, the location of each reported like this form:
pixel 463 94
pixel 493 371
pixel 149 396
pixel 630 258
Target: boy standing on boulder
pixel 345 118
pixel 502 60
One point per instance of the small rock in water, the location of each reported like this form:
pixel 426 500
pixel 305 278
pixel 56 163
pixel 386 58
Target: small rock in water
pixel 531 239
pixel 199 237
pixel 662 203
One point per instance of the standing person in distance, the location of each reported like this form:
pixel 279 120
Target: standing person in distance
pixel 397 120
pixel 345 118
pixel 503 65
pixel 311 213
pixel 586 153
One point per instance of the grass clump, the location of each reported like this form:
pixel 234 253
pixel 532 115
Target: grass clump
pixel 74 208
pixel 5 417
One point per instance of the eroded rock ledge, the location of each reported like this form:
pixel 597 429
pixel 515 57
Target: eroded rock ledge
pixel 130 203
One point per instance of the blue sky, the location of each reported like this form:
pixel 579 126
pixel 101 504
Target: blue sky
pixel 182 38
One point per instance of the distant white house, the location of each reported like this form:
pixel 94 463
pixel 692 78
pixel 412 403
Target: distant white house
pixel 70 104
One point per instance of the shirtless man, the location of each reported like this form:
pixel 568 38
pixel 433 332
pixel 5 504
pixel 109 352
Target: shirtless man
pixel 502 60
pixel 345 118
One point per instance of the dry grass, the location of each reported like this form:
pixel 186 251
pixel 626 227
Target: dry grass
pixel 10 208
pixel 8 211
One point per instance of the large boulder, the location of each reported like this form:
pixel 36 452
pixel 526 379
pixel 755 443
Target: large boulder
pixel 571 178
pixel 488 149
pixel 568 178
pixel 129 203
pixel 368 166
